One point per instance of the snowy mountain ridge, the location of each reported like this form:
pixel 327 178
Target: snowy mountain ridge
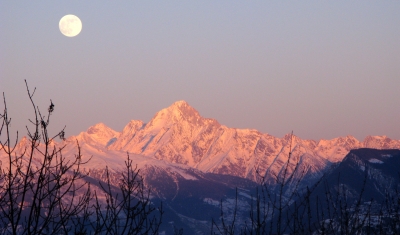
pixel 179 135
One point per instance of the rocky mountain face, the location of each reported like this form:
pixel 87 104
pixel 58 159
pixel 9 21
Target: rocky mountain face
pixel 178 134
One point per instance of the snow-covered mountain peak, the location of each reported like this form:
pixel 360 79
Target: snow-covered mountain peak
pixel 100 131
pixel 127 134
pixel 180 103
pixel 182 109
pixel 99 128
pixel 295 139
pixel 343 141
pixel 380 142
pixel 178 112
pixel 348 141
pixel 133 125
pixel 23 141
pixel 335 149
pixel 374 138
pixel 98 135
pixel 23 144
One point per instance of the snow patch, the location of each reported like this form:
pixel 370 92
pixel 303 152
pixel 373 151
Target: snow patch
pixel 386 155
pixel 243 194
pixel 185 175
pixel 211 201
pixel 374 160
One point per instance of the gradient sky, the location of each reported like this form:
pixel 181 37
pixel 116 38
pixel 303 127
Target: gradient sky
pixel 320 68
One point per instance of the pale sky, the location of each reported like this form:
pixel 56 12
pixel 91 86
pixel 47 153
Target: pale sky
pixel 323 69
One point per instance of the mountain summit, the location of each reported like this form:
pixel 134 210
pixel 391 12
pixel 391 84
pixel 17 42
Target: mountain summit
pixel 170 135
pixel 98 135
pixel 178 112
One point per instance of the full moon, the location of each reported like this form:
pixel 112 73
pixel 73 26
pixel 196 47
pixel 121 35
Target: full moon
pixel 70 25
